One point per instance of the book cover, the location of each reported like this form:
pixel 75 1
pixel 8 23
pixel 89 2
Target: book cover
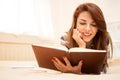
pixel 92 59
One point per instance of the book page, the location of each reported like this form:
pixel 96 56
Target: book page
pixel 54 46
pixel 77 49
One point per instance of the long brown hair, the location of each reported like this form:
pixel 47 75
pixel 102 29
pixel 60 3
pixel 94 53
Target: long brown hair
pixel 102 38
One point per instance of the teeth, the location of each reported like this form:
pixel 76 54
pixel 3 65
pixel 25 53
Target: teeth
pixel 87 34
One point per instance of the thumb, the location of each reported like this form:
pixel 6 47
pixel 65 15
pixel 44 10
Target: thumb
pixel 80 63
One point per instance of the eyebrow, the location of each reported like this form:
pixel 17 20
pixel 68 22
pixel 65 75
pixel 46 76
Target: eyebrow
pixel 82 19
pixel 85 20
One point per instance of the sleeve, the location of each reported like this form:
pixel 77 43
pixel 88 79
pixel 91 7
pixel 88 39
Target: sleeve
pixel 63 40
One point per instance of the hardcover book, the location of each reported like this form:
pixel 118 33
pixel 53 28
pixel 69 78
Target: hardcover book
pixel 93 60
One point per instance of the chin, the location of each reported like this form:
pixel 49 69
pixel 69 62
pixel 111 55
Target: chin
pixel 87 41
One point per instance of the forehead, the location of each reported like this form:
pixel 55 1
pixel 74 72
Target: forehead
pixel 85 15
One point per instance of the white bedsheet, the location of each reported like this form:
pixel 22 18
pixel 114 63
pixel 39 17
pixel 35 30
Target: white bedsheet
pixel 29 70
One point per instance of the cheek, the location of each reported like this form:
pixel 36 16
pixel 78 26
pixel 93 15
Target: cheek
pixel 79 28
pixel 95 31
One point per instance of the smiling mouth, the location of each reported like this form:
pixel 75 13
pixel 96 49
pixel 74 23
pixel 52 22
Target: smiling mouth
pixel 87 34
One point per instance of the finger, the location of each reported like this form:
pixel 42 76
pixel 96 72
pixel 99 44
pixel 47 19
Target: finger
pixel 79 66
pixel 67 61
pixel 58 62
pixel 58 66
pixel 74 30
pixel 80 63
pixel 77 33
pixel 74 34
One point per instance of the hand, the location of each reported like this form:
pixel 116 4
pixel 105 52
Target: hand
pixel 77 36
pixel 68 68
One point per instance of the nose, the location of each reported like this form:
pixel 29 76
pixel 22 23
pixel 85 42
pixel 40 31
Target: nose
pixel 88 27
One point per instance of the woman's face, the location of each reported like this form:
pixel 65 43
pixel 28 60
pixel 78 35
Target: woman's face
pixel 86 26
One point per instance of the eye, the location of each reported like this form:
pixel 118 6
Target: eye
pixel 82 23
pixel 94 25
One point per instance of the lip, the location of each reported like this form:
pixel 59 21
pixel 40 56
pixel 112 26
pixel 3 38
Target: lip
pixel 86 36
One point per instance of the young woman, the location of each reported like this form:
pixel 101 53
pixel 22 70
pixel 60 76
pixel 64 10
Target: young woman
pixel 88 30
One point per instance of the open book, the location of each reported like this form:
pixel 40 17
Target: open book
pixel 92 59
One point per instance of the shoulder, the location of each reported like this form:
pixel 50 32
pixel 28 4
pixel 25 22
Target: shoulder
pixel 107 42
pixel 64 36
pixel 63 40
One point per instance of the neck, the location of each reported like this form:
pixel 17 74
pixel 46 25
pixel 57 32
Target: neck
pixel 88 44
